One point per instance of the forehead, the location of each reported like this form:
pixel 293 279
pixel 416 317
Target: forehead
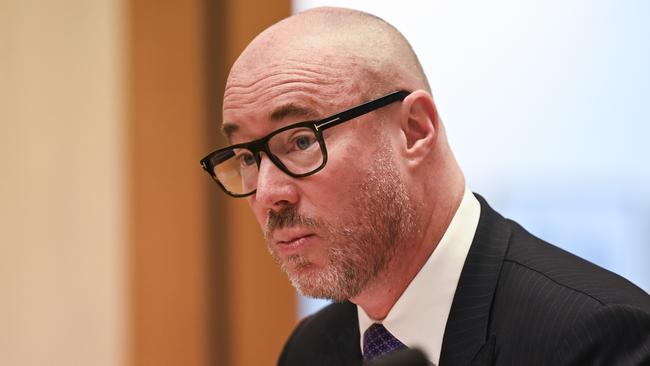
pixel 259 99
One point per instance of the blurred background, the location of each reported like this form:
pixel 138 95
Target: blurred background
pixel 115 247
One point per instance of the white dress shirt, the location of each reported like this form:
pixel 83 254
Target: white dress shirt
pixel 419 316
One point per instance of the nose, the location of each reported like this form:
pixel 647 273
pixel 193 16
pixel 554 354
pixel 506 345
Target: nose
pixel 275 188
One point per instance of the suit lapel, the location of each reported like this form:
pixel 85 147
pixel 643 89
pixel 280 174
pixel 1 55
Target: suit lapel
pixel 343 346
pixel 466 332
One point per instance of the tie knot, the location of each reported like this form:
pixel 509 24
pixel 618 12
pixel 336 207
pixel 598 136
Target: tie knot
pixel 378 341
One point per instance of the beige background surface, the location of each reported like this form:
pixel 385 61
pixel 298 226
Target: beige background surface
pixel 62 222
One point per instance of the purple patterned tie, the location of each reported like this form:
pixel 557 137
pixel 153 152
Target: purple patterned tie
pixel 377 342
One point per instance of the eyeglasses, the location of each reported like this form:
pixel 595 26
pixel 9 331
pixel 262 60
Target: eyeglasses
pixel 297 149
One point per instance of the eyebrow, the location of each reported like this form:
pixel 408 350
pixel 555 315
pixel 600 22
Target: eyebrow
pixel 228 128
pixel 290 110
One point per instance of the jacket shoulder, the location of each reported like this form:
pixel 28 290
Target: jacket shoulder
pixel 540 259
pixel 549 302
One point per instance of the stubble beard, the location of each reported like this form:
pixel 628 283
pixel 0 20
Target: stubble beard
pixel 360 245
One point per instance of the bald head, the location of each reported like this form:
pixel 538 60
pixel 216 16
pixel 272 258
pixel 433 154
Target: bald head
pixel 361 53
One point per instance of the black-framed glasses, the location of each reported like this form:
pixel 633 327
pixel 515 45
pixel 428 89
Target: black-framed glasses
pixel 297 149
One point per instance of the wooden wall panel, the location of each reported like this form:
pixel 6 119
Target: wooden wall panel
pixel 204 289
pixel 170 233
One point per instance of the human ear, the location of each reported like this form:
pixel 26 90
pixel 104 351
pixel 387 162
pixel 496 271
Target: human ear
pixel 419 124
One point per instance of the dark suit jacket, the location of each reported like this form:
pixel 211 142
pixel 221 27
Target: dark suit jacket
pixel 519 301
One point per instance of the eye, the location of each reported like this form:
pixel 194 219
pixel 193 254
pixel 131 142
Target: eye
pixel 304 142
pixel 246 159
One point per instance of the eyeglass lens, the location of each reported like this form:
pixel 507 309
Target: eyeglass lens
pixel 297 149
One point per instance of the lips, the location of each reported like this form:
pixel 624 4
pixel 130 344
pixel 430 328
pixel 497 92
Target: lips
pixel 294 243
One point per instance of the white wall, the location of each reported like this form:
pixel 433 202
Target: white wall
pixel 62 285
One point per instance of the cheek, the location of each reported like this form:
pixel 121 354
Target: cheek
pixel 258 211
pixel 334 187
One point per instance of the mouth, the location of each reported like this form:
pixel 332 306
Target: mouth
pixel 293 244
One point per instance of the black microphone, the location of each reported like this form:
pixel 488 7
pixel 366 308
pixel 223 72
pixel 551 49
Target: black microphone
pixel 406 357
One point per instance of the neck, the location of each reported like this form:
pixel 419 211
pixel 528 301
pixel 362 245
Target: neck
pixel 379 296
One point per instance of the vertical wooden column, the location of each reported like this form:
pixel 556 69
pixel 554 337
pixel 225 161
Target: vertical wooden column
pixel 261 302
pixel 204 289
pixel 171 312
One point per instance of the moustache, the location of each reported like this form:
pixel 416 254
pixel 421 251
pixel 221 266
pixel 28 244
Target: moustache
pixel 287 217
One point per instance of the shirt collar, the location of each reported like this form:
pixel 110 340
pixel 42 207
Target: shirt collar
pixel 419 316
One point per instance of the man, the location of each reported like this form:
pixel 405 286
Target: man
pixel 366 205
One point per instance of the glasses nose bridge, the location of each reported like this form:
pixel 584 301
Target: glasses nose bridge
pixel 256 148
pixel 270 175
pixel 263 147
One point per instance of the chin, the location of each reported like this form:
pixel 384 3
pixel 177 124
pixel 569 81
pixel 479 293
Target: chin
pixel 318 283
pixel 302 274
